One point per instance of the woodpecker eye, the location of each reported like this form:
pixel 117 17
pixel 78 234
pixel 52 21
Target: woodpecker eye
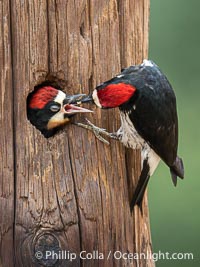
pixel 54 108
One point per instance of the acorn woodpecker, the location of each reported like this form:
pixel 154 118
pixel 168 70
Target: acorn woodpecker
pixel 149 122
pixel 49 108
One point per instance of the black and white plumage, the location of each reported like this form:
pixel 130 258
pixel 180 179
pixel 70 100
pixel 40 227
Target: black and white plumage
pixel 49 108
pixel 147 105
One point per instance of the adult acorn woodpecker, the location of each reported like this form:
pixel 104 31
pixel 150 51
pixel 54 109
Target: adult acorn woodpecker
pixel 149 122
pixel 49 108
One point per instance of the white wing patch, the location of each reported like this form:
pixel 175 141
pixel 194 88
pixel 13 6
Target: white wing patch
pixel 147 62
pixel 120 76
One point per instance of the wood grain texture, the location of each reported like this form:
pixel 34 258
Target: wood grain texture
pixel 6 140
pixel 71 191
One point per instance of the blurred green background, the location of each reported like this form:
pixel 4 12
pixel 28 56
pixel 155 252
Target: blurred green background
pixel 175 212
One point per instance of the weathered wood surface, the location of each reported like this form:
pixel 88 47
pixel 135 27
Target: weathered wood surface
pixel 6 140
pixel 69 192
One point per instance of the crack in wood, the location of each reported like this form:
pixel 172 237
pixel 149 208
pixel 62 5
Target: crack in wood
pixel 76 198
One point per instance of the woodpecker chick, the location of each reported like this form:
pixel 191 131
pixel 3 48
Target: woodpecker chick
pixel 49 108
pixel 147 105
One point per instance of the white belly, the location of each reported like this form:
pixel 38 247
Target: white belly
pixel 128 134
pixel 130 138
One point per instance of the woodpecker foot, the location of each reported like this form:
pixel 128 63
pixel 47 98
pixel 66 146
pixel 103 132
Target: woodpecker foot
pixel 97 131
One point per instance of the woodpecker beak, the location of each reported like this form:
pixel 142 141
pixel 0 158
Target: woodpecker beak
pixel 86 99
pixel 74 99
pixel 73 109
pixel 70 108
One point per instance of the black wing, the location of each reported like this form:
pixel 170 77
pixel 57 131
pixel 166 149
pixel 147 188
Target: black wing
pixel 153 111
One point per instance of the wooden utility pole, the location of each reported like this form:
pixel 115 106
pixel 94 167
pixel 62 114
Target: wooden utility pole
pixel 70 192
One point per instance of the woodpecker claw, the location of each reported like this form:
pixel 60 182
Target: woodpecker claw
pixel 96 130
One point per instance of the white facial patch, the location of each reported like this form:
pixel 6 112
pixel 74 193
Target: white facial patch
pixel 60 97
pixel 147 62
pixel 57 120
pixel 96 99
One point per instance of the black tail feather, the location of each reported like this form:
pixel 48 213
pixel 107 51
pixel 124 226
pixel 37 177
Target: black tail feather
pixel 177 170
pixel 141 186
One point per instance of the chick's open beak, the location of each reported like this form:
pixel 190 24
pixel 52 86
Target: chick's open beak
pixel 71 104
pixel 73 109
